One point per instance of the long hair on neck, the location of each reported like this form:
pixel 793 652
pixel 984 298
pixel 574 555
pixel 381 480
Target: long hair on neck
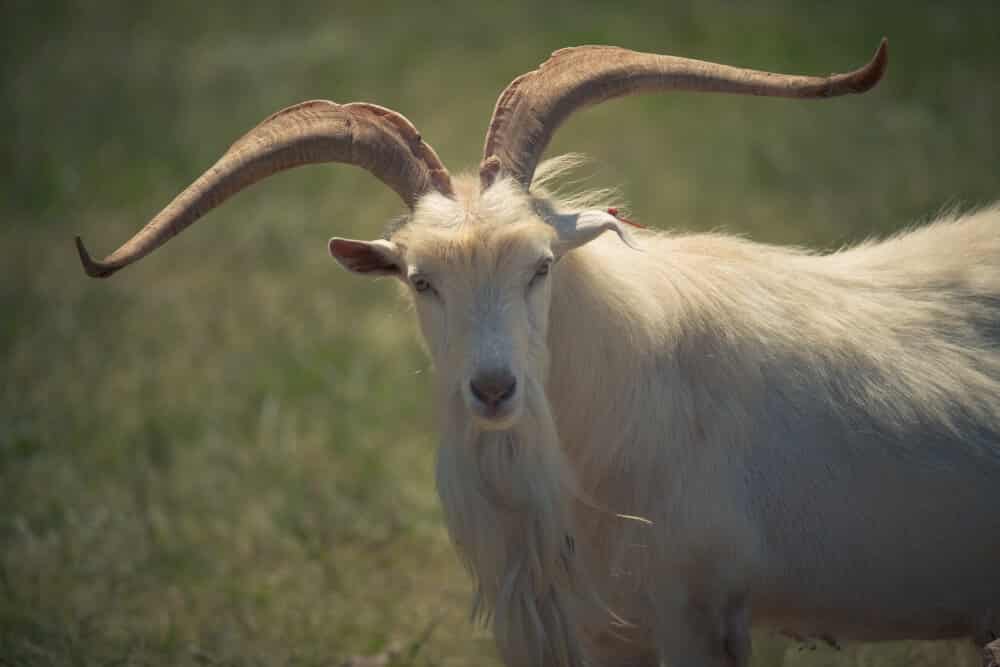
pixel 508 499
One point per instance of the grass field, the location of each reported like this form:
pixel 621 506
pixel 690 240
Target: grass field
pixel 223 456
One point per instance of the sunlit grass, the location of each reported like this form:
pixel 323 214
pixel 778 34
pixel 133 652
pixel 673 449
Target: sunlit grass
pixel 224 454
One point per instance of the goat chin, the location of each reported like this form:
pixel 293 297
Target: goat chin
pixel 508 501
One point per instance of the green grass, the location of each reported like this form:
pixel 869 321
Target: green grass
pixel 223 456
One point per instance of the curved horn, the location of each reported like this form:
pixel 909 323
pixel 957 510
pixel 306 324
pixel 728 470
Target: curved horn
pixel 369 136
pixel 531 108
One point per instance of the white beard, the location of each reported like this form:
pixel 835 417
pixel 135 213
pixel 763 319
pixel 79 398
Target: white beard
pixel 508 499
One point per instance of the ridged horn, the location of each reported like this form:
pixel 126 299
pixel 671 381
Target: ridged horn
pixel 365 135
pixel 535 104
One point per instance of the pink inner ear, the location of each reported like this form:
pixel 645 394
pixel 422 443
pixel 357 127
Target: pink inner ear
pixel 361 257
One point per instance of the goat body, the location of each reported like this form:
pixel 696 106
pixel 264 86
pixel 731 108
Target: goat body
pixel 743 427
pixel 821 431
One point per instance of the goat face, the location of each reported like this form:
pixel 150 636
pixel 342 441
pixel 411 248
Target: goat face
pixel 482 298
pixel 478 274
pixel 478 270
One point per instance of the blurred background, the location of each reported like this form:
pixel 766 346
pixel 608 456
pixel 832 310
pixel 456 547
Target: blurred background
pixel 223 455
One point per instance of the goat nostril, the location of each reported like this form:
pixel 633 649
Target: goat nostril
pixel 493 388
pixel 478 393
pixel 509 391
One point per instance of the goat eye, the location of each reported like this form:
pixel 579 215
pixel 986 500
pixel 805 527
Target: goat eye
pixel 542 270
pixel 420 283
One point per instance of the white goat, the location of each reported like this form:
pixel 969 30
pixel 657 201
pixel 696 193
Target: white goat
pixel 647 435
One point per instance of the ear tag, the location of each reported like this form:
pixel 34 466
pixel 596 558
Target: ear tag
pixel 613 212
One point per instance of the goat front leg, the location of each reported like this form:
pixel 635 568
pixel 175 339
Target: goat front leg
pixel 623 646
pixel 694 631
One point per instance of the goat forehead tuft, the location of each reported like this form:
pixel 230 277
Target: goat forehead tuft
pixel 502 220
pixel 502 204
pixel 477 247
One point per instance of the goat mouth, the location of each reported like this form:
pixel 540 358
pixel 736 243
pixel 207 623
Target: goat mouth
pixel 495 418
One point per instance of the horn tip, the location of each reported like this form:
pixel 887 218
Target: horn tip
pixel 90 267
pixel 873 72
pixel 881 57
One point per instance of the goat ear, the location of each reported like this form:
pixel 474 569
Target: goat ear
pixel 576 229
pixel 370 258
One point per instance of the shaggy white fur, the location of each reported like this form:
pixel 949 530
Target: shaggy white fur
pixel 707 426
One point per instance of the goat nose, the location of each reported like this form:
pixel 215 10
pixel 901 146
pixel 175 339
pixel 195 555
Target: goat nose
pixel 493 387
